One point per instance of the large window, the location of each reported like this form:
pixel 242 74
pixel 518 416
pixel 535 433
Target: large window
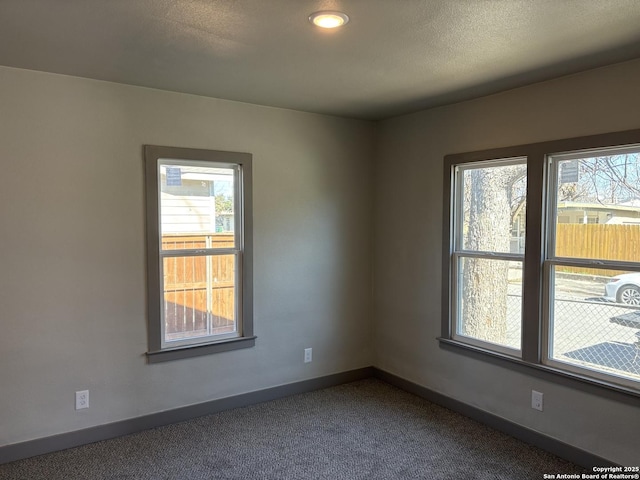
pixel 565 297
pixel 198 251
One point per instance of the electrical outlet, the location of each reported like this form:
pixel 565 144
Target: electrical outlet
pixel 82 399
pixel 308 355
pixel 536 400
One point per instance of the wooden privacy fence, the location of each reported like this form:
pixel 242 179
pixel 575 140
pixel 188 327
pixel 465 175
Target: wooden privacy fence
pixel 599 242
pixel 199 291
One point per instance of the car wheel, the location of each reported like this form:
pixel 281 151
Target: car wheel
pixel 629 295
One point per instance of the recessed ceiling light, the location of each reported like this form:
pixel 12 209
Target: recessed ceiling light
pixel 327 19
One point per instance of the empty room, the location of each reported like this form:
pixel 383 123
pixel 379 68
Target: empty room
pixel 320 239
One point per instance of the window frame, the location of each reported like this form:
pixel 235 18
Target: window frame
pixel 459 252
pixel 158 349
pixel 552 260
pixel 536 299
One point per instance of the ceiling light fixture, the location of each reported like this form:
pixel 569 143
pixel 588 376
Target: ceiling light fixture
pixel 327 19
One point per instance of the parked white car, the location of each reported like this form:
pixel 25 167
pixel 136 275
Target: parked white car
pixel 624 288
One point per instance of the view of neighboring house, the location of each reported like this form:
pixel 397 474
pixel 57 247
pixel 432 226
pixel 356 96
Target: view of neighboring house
pixel 626 213
pixel 196 200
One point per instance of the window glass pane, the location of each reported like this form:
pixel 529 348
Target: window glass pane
pixel 598 207
pixel 198 296
pixel 197 201
pixel 494 208
pixel 490 301
pixel 594 324
pixel 175 241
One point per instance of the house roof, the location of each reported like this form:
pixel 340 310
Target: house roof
pixel 393 57
pixel 621 207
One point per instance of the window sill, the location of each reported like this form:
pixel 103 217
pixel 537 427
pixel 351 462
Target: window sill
pixel 545 372
pixel 189 351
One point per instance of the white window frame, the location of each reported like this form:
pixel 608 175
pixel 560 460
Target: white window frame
pixel 241 163
pixel 459 252
pixel 552 261
pixel 537 294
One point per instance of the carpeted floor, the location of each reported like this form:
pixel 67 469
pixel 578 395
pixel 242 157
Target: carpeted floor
pixel 362 430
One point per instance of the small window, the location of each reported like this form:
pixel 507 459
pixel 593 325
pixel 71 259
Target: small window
pixel 198 251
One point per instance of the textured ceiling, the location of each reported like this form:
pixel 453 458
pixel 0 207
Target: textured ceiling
pixel 394 56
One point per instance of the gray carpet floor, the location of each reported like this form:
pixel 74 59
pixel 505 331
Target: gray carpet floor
pixel 361 430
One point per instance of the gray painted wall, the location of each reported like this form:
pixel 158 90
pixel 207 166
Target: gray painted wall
pixel 72 291
pixel 72 288
pixel 408 240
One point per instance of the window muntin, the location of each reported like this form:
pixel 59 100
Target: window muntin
pixel 199 252
pixel 593 253
pixel 487 261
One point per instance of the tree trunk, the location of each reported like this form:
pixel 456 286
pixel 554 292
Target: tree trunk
pixel 484 282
